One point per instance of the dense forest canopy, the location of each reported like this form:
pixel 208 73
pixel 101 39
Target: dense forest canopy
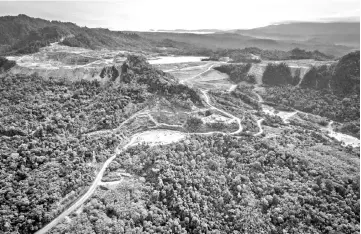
pixel 220 184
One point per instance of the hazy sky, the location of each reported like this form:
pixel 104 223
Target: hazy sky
pixel 186 14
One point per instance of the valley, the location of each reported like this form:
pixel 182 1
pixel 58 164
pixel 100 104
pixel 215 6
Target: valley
pixel 63 61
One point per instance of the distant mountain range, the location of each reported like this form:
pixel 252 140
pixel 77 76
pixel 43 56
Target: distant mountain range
pixel 23 34
pixel 340 33
pixel 188 30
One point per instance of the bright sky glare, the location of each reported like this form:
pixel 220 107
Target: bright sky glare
pixel 185 14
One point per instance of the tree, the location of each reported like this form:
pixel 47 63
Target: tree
pixel 193 124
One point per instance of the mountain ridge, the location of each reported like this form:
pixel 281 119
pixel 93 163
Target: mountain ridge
pixel 344 33
pixel 23 34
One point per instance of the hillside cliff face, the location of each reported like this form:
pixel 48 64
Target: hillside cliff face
pixel 346 77
pixel 318 77
pixel 110 71
pixel 343 77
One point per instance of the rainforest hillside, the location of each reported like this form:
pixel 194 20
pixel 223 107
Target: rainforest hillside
pixel 46 148
pixel 297 181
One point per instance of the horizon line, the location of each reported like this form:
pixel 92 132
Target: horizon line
pixel 351 19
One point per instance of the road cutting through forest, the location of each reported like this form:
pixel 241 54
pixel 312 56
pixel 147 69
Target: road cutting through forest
pixel 134 140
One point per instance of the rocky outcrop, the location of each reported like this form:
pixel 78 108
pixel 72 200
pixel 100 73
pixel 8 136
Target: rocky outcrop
pixel 6 64
pixel 111 72
pixel 137 69
pixel 137 64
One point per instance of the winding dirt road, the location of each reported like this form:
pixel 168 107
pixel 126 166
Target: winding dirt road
pixel 240 128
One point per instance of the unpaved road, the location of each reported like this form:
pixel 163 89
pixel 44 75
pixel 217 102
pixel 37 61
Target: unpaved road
pixel 259 124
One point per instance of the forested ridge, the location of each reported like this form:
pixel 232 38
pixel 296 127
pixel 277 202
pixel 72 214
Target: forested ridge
pixel 255 55
pixel 237 73
pixel 23 35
